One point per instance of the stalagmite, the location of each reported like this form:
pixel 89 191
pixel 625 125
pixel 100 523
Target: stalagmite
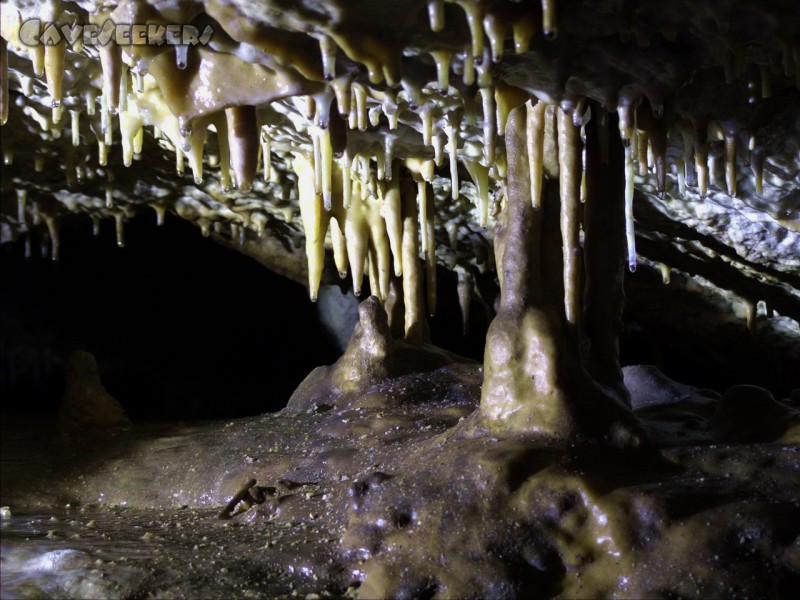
pixel 243 141
pixel 535 127
pixel 569 159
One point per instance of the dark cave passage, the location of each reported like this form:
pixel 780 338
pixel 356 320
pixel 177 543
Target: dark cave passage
pixel 186 329
pixel 181 327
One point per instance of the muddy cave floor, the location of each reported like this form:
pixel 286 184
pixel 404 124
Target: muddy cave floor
pixel 389 495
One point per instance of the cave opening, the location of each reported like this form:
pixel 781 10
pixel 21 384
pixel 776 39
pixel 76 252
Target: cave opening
pixel 182 327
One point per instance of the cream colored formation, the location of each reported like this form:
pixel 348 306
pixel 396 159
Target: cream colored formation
pixel 359 131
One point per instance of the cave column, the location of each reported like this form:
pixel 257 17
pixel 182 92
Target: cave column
pixel 535 380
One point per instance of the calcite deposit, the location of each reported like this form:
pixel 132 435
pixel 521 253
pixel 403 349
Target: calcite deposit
pixel 535 154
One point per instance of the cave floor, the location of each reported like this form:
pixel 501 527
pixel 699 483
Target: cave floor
pixel 392 496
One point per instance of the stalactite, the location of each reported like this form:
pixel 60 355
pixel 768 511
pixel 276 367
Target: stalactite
pixel 535 127
pixel 412 272
pixel 243 141
pixel 569 159
pixel 4 98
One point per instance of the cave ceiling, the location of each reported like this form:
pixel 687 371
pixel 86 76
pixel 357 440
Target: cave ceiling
pixel 315 103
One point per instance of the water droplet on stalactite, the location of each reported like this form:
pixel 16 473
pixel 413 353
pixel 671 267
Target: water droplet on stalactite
pixel 181 56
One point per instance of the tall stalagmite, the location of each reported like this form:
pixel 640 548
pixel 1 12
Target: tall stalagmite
pixel 536 378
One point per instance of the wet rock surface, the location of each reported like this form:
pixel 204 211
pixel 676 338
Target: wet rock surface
pixel 394 496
